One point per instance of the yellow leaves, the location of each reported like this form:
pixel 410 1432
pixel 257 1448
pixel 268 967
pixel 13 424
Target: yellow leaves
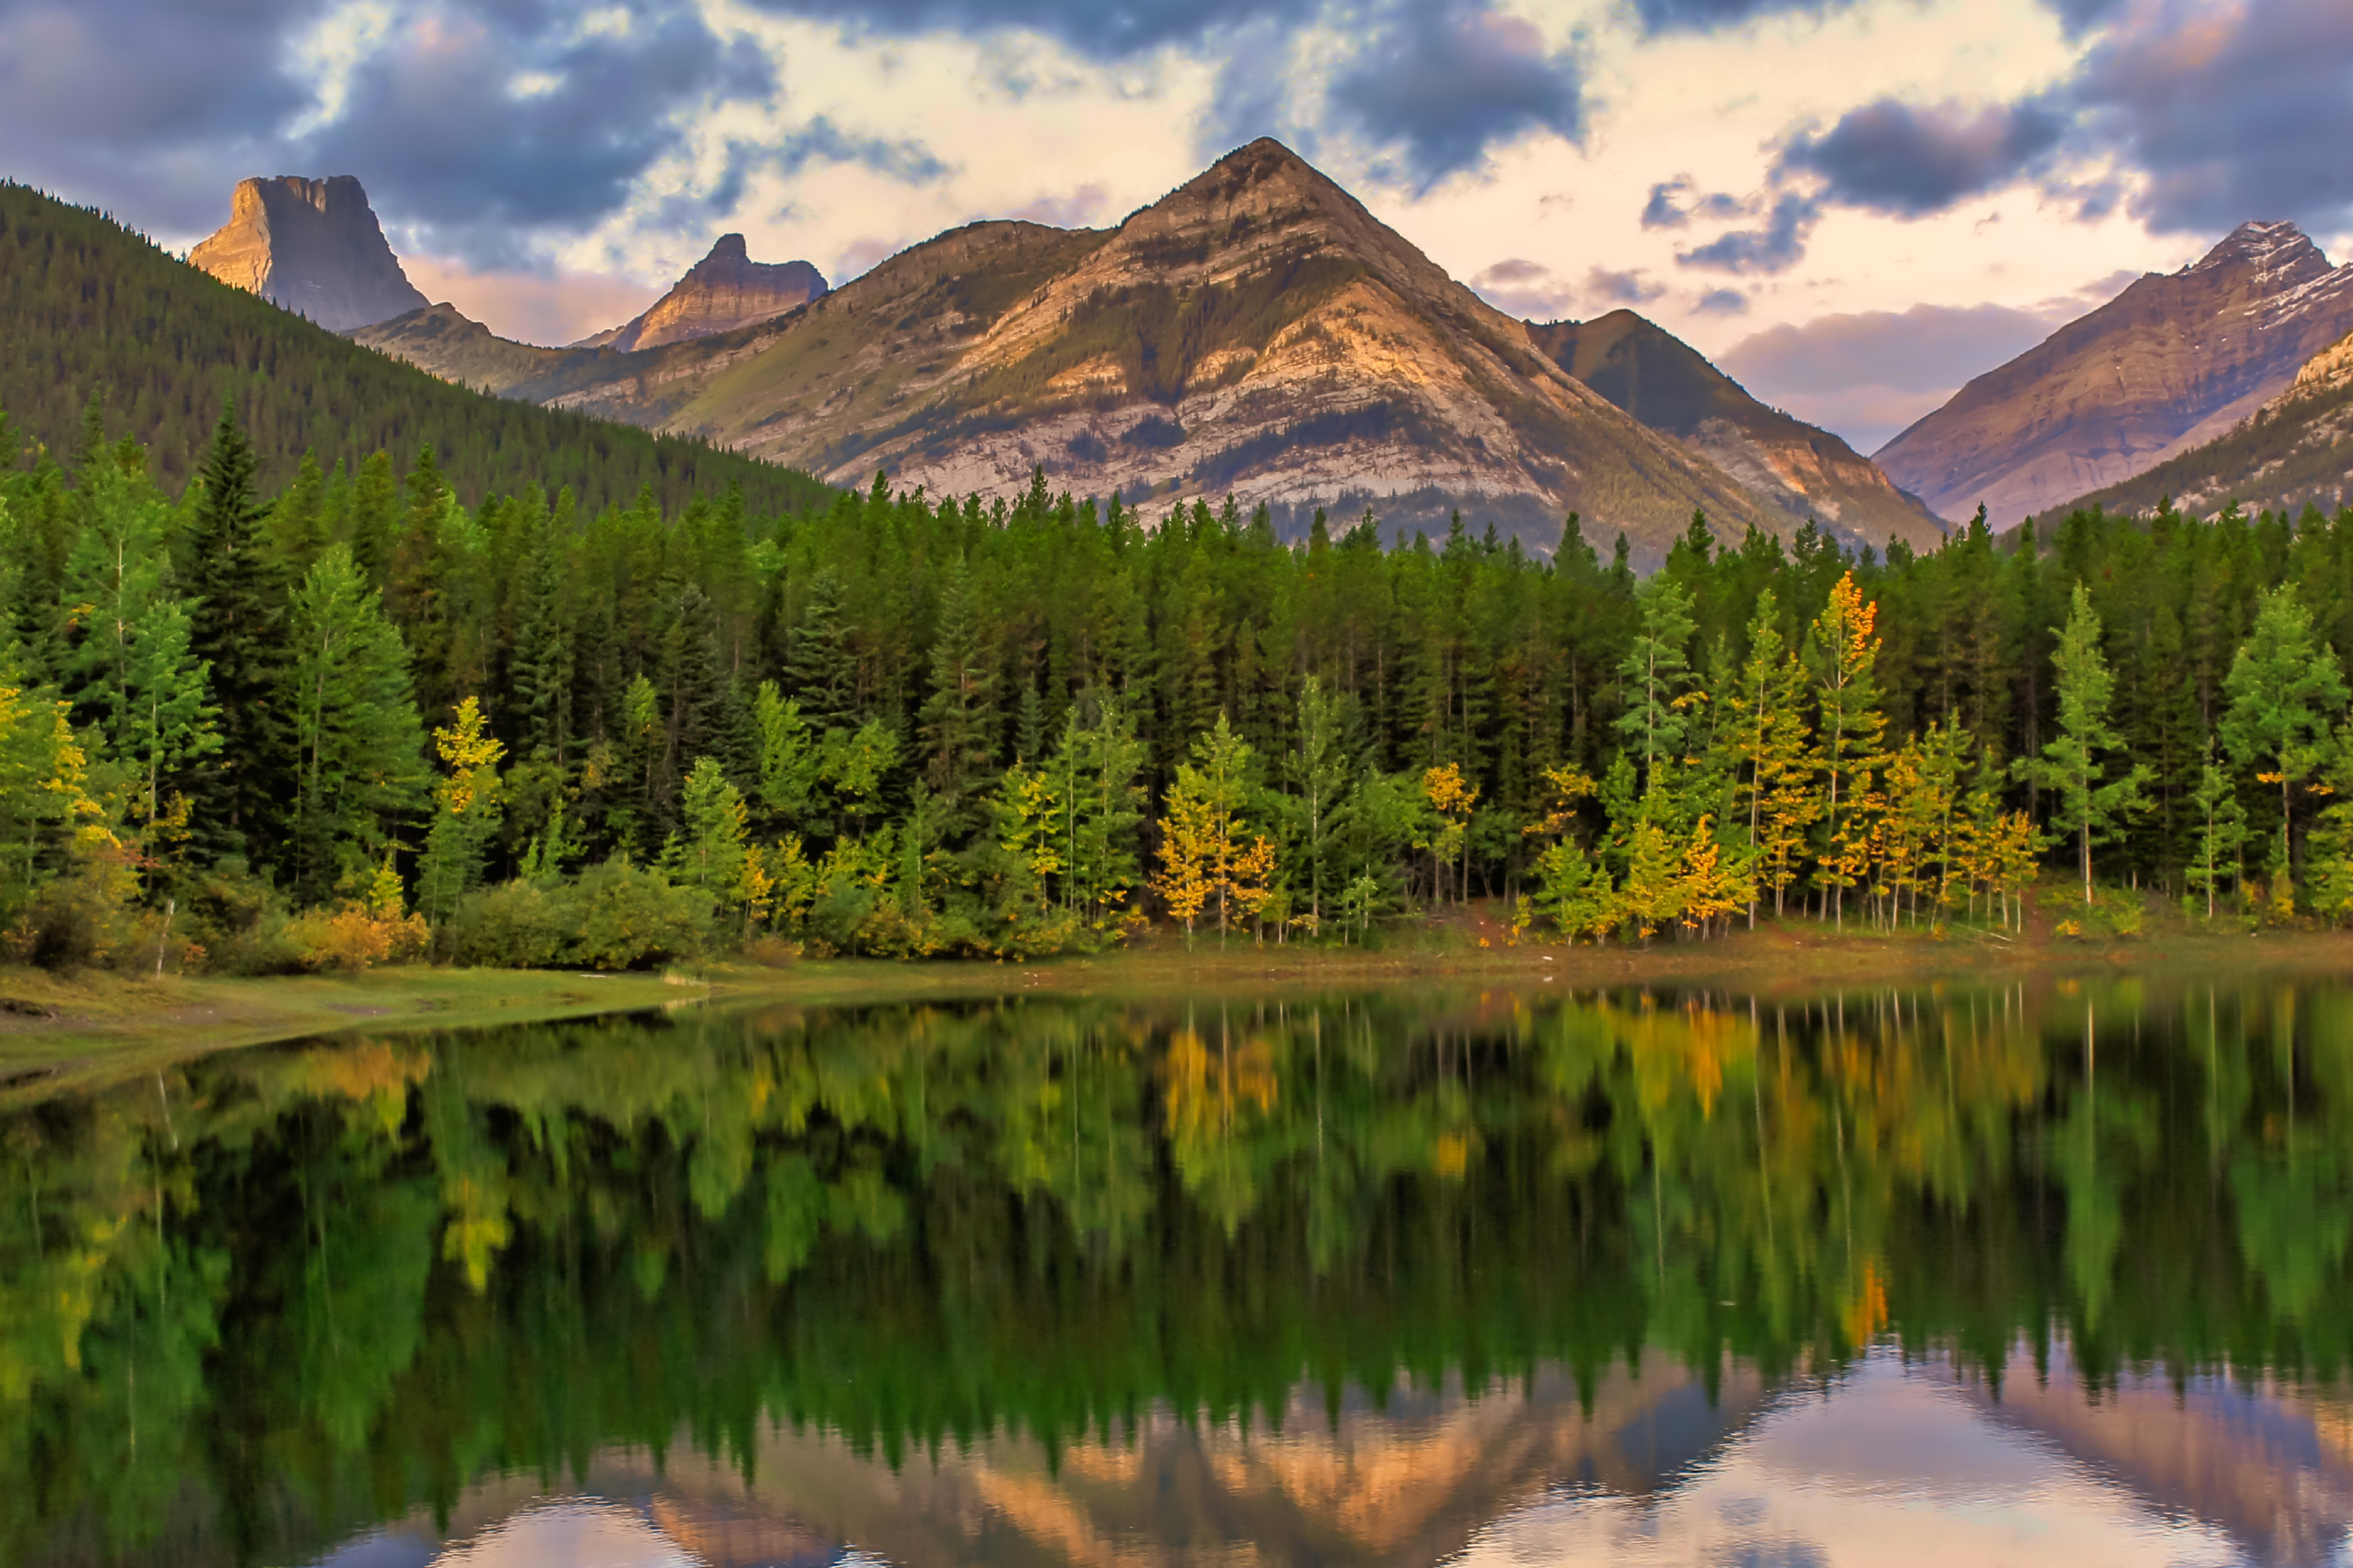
pixel 1187 843
pixel 1846 629
pixel 471 754
pixel 1569 785
pixel 1866 1313
pixel 1449 793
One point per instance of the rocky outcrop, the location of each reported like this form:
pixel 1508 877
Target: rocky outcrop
pixel 1804 471
pixel 2171 364
pixel 313 246
pixel 725 290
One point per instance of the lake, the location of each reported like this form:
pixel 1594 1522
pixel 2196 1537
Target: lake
pixel 2047 1272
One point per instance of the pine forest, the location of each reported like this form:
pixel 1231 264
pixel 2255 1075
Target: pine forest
pixel 353 718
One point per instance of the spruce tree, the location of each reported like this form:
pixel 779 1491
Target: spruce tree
pixel 2090 805
pixel 820 672
pixel 959 722
pixel 242 792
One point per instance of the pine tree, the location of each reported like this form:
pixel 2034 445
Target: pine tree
pixel 2284 686
pixel 2088 808
pixel 958 722
pixel 2222 830
pixel 820 672
pixel 236 632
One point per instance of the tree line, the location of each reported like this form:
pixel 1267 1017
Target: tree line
pixel 352 717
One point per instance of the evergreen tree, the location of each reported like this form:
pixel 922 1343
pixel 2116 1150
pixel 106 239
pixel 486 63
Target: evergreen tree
pixel 359 744
pixel 236 632
pixel 2284 686
pixel 2090 806
pixel 958 719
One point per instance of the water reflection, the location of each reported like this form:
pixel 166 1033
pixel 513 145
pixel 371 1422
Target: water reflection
pixel 2039 1274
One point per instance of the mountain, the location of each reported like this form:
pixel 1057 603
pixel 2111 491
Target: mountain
pixel 725 290
pixel 92 308
pixel 2296 451
pixel 1255 332
pixel 313 246
pixel 2167 365
pixel 1670 387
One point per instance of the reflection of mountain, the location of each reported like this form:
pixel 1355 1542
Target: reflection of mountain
pixel 1409 1480
pixel 2271 1467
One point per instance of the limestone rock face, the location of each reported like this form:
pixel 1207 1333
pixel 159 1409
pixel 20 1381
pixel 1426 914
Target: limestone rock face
pixel 725 290
pixel 2173 363
pixel 314 247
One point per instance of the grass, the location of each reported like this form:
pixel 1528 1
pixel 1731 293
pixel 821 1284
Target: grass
pixel 57 1030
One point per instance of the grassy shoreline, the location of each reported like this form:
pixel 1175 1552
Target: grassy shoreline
pixel 57 1028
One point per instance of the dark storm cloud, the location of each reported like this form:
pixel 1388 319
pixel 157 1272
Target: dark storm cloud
pixel 1709 15
pixel 2235 112
pixel 1442 80
pixel 1102 30
pixel 1891 157
pixel 476 123
pixel 1775 248
pixel 132 103
pixel 437 128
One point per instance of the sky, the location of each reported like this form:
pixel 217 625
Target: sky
pixel 1854 205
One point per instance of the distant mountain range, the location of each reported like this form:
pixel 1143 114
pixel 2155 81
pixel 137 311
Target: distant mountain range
pixel 1258 332
pixel 2173 363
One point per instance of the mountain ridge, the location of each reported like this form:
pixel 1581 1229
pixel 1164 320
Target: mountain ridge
pixel 1256 330
pixel 725 290
pixel 2171 364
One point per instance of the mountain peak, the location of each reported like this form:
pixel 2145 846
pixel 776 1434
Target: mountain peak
pixel 2272 246
pixel 725 290
pixel 311 246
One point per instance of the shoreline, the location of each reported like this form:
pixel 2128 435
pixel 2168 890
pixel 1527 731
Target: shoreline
pixel 56 1029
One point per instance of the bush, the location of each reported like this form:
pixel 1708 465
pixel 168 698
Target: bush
pixel 613 916
pixel 354 938
pixel 515 925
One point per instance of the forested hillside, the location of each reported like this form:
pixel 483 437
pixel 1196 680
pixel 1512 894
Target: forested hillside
pixel 92 310
pixel 337 720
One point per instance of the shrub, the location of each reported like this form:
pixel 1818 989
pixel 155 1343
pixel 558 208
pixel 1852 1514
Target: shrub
pixel 515 925
pixel 621 916
pixel 354 938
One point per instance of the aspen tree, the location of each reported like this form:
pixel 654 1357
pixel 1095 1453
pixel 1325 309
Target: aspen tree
pixel 1845 654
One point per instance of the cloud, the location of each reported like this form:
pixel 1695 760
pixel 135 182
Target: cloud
pixel 134 103
pixel 2236 109
pixel 1721 302
pixel 1778 246
pixel 823 142
pixel 1869 376
pixel 1100 29
pixel 1713 15
pixel 1891 157
pixel 436 125
pixel 532 307
pixel 1532 289
pixel 1446 79
pixel 1630 288
pixel 1075 209
pixel 1666 209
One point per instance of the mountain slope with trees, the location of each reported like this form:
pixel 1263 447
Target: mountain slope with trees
pixel 94 311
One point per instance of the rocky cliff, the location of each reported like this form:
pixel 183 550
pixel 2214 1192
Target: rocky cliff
pixel 725 290
pixel 1670 387
pixel 2171 364
pixel 313 246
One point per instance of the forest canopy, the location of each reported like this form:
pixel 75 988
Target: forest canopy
pixel 352 717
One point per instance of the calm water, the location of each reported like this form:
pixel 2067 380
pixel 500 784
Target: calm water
pixel 2047 1274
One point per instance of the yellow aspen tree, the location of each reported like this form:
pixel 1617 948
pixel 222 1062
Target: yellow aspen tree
pixel 1451 797
pixel 1184 880
pixel 1844 653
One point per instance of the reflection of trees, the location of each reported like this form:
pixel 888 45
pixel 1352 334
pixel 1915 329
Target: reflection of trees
pixel 322 1283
